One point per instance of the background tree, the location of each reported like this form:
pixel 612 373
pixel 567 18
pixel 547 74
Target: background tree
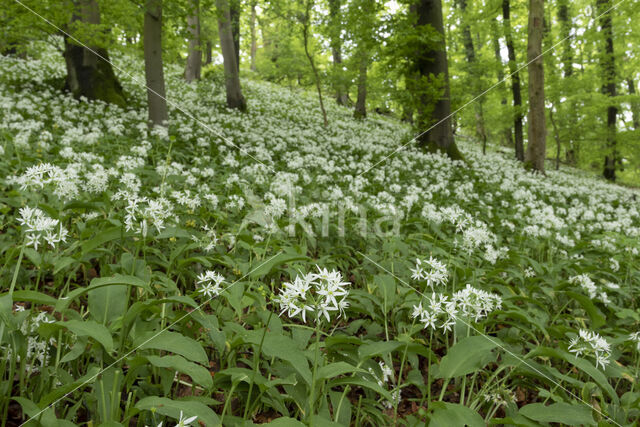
pixel 235 99
pixel 153 67
pixel 433 62
pixel 515 81
pixel 194 58
pixel 537 146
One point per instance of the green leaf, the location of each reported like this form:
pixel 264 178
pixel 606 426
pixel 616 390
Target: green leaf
pixel 597 318
pixel 173 408
pixel 566 413
pixel 468 355
pixel 285 422
pixel 89 328
pixel 336 369
pixel 100 239
pixel 377 348
pixel 117 280
pixel 175 343
pixel 107 303
pixel 198 374
pixel 451 414
pixel 35 297
pixel 262 268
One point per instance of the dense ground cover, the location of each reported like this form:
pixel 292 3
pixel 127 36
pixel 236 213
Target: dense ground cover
pixel 259 267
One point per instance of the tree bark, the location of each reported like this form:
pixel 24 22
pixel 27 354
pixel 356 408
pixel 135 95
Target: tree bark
pixel 254 41
pixel 565 32
pixel 608 65
pixel 89 71
pixel 153 69
pixel 537 146
pixel 194 59
pixel 515 82
pixel 635 107
pixel 470 55
pixel 507 134
pixel 360 111
pixel 305 35
pixel 232 78
pixel 434 62
pixel 234 13
pixel 342 97
pixel 208 53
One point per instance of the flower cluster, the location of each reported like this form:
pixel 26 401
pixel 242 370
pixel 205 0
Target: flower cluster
pixel 589 287
pixel 142 212
pixel 210 283
pixel 39 227
pixel 591 344
pixel 322 292
pixel 634 337
pixel 441 311
pixel 431 271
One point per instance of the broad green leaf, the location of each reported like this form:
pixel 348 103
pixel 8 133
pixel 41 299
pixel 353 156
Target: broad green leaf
pixel 35 297
pixel 336 369
pixel 117 280
pixel 566 413
pixel 107 303
pixel 377 348
pixel 89 328
pixel 451 414
pixel 175 343
pixel 262 268
pixel 468 355
pixel 285 422
pixel 198 374
pixel 597 318
pixel 173 408
pixel 101 238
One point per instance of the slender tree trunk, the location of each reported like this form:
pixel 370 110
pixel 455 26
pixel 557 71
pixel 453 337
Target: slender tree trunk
pixel 234 13
pixel 254 41
pixel 537 147
pixel 556 135
pixel 635 107
pixel 608 65
pixel 507 133
pixel 208 53
pixel 194 59
pixel 305 36
pixel 360 111
pixel 565 32
pixel 470 54
pixel 342 97
pixel 515 82
pixel 232 78
pixel 89 72
pixel 434 62
pixel 153 69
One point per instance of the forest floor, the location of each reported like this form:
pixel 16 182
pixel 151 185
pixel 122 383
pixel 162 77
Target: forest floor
pixel 244 268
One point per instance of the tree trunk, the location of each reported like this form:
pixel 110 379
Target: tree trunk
pixel 153 69
pixel 234 13
pixel 470 54
pixel 434 62
pixel 565 33
pixel 608 65
pixel 194 59
pixel 556 135
pixel 89 71
pixel 515 81
pixel 507 135
pixel 254 41
pixel 537 146
pixel 232 78
pixel 305 35
pixel 335 22
pixel 360 111
pixel 635 107
pixel 208 53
